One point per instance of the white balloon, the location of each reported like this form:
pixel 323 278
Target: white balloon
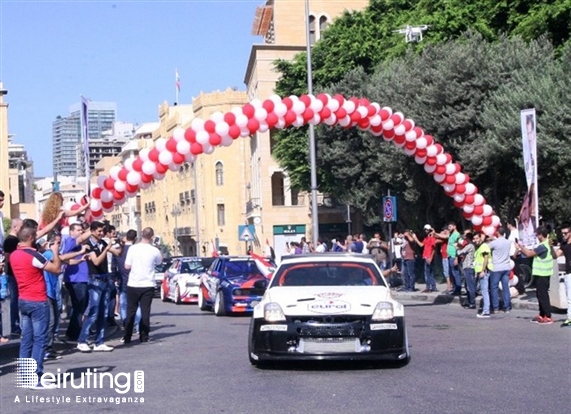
pixel 197 124
pixel 108 210
pixel 488 210
pixel 129 164
pixel 375 120
pixel 120 186
pixel 349 106
pixel 316 104
pixel 106 196
pixel 441 159
pixel 133 178
pixel 114 171
pixel 299 121
pixel 161 144
pixel 400 130
pixel 470 188
pixel 489 230
pixel 496 221
pixel 345 121
pixel 150 167
pixel 174 166
pixel 460 178
pixel 332 120
pixel 209 149
pixel 158 176
pixel 431 150
pixel 100 180
pixel 241 121
pixel 468 208
pixel 144 154
pixel 276 99
pixel 95 204
pixel 363 111
pixel 298 107
pixel 512 264
pixel 420 160
pixel 459 197
pixel 410 136
pixel 421 143
pixel 429 168
pixel 281 124
pixel 190 157
pixel 245 132
pixel 165 157
pixel 256 103
pixel 409 151
pixel 388 124
pixel 448 187
pixel 450 168
pixel 477 220
pixel 478 199
pixel 183 147
pixel 217 117
pixel 439 178
pixel 333 105
pixel 280 109
pixel 202 137
pixel 397 144
pixel 226 141
pixel 260 114
pixel 177 134
pixel 121 201
pixel 222 128
pixel 316 120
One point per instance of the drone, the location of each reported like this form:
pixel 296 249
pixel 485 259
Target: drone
pixel 412 33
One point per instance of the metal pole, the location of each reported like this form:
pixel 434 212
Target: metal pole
pixel 197 231
pixel 390 238
pixel 314 210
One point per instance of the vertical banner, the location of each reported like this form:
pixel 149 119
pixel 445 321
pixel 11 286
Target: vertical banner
pixel 177 85
pixel 529 213
pixel 85 141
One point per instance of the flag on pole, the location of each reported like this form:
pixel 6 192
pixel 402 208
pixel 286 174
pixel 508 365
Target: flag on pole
pixel 85 140
pixel 529 213
pixel 214 249
pixel 177 80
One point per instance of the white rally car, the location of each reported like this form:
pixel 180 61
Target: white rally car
pixel 328 307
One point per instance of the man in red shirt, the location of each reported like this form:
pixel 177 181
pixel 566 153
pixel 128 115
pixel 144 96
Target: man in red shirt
pixel 429 245
pixel 28 266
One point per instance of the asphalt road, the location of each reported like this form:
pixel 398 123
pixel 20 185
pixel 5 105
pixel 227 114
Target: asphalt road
pixel 198 364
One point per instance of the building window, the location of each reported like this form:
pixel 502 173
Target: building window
pixel 192 197
pixel 278 195
pixel 219 174
pixel 312 34
pixel 221 214
pixel 322 25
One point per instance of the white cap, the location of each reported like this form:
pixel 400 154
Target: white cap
pixel 427 227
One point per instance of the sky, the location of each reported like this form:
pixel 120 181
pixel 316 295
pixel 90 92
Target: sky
pixel 51 52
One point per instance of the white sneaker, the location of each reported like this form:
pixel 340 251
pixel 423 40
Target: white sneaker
pixel 83 347
pixel 103 348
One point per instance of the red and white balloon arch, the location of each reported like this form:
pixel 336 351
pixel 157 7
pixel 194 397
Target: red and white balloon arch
pixel 259 116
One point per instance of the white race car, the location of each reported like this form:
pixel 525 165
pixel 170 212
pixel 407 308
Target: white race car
pixel 328 307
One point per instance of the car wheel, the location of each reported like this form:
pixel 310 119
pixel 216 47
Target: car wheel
pixel 253 361
pixel 403 362
pixel 201 302
pixel 219 309
pixel 177 299
pixel 164 297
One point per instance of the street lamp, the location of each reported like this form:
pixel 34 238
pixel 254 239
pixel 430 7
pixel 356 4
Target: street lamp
pixel 175 213
pixel 314 217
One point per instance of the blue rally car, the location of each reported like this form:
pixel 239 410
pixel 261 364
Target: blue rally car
pixel 232 284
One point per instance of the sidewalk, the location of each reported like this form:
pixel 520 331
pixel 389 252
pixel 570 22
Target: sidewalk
pixel 525 301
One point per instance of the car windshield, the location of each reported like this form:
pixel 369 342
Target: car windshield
pixel 192 267
pixel 328 274
pixel 161 268
pixel 240 268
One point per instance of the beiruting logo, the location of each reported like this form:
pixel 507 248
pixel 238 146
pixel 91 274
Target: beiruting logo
pixel 26 377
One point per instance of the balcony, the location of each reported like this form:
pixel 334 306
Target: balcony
pixel 184 232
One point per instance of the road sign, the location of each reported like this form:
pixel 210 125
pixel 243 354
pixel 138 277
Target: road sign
pixel 389 209
pixel 246 232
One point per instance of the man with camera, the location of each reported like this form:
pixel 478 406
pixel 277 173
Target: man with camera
pixel 428 245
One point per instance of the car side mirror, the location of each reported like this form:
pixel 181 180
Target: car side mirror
pixel 260 284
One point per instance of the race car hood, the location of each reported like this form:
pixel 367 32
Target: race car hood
pixel 355 300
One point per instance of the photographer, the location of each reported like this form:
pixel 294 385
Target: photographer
pixel 429 245
pixel 409 260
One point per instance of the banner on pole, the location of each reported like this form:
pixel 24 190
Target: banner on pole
pixel 529 213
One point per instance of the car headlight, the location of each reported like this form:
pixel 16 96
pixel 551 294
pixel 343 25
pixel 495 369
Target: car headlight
pixel 273 312
pixel 383 311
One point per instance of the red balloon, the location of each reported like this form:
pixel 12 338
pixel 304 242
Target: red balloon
pixel 210 126
pixel 178 158
pixel 400 139
pixel 154 153
pixel 450 179
pixel 109 183
pixel 131 188
pixel 290 117
pixel 429 140
pixel 439 149
pixel 371 110
pixel 449 193
pixel 306 100
pixel 467 216
pixel 487 220
pixel 364 102
pixel 364 123
pixel 229 118
pixel 355 116
pixel 195 148
pixel 323 98
pixel 268 105
pixel 407 125
pixel 431 161
pixel 377 129
pixel 308 114
pixel 341 113
pixel 272 119
pixel 440 169
pixel 461 189
pixel 287 102
pixel 389 133
pixel 248 110
pixel 253 125
pixel 469 198
pixel 418 131
pixel 123 174
pixel 339 98
pixel 215 139
pixel 325 113
pixel 397 119
pixel 171 144
pixel 161 169
pixel 478 229
pixel 234 131
pixel 94 214
pixel 96 192
pixel 118 195
pixel 189 135
pixel 410 145
pixel 478 210
pixel 421 152
pixel 146 178
pixel 138 165
pixel 107 205
pixel 458 204
pixel 384 114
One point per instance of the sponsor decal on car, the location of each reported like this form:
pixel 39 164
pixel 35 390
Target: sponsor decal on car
pixel 281 328
pixel 329 306
pixel 383 326
pixel 329 295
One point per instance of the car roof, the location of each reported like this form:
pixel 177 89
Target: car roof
pixel 328 257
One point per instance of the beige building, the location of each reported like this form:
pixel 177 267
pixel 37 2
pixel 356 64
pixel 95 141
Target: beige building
pixel 280 213
pixel 4 173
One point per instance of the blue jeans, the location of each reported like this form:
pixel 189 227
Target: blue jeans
pixel 14 311
pixel 79 301
pixel 98 291
pixel 495 279
pixel 53 321
pixel 455 273
pixel 429 275
pixel 35 317
pixel 409 275
pixel 123 310
pixel 485 290
pixel 59 301
pixel 470 276
pixel 445 268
